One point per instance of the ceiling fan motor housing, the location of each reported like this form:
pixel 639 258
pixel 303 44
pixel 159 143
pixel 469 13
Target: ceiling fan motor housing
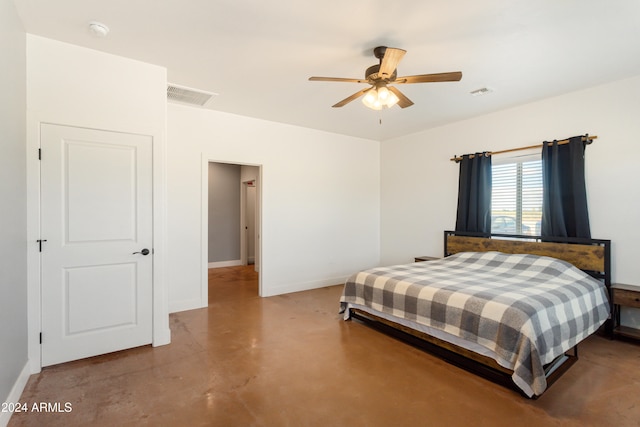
pixel 372 75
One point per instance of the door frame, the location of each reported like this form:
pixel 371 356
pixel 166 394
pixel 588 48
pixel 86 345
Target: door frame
pixel 161 334
pixel 204 217
pixel 244 236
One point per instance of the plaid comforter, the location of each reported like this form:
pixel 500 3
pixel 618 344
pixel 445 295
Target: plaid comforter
pixel 526 309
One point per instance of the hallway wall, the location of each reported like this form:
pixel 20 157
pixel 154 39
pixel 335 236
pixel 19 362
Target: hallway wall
pixel 224 212
pixel 13 209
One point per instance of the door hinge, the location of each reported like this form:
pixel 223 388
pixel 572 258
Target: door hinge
pixel 40 244
pixel 39 153
pixel 40 337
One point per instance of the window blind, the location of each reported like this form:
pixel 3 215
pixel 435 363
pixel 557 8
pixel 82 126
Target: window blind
pixel 516 197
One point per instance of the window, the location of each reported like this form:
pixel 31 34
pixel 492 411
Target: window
pixel 516 196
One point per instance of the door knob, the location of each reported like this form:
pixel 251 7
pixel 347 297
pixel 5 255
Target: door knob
pixel 145 251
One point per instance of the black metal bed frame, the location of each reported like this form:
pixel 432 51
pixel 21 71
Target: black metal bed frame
pixel 554 369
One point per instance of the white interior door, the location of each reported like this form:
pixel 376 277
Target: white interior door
pixel 96 218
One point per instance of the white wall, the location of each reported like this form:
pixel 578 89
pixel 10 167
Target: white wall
pixel 75 86
pixel 419 183
pixel 319 195
pixel 13 208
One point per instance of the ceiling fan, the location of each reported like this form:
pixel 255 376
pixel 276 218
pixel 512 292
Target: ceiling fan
pixel 379 76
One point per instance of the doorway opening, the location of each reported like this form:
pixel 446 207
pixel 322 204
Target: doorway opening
pixel 231 224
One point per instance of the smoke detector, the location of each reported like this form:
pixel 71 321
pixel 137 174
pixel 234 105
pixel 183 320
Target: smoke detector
pixel 98 29
pixel 481 91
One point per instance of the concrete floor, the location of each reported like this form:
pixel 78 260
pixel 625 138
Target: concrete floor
pixel 291 361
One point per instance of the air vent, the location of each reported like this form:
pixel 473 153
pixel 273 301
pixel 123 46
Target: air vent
pixel 186 95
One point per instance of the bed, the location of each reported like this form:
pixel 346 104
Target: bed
pixel 510 309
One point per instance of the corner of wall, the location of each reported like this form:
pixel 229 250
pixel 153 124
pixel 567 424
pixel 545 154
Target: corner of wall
pixel 15 393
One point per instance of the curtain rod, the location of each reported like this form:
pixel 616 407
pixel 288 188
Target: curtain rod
pixel 586 139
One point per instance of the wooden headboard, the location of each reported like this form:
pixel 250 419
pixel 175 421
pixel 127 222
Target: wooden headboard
pixel 590 255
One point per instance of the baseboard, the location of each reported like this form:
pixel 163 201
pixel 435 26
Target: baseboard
pixel 306 286
pixel 15 393
pixel 219 264
pixel 162 337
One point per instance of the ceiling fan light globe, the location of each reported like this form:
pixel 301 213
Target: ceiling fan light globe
pixel 392 100
pixel 383 94
pixel 370 98
pixel 371 95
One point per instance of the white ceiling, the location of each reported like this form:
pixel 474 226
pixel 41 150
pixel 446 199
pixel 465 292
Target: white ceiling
pixel 258 54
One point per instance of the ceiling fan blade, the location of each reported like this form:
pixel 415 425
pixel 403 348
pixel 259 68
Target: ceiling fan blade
pixel 428 78
pixel 403 101
pixel 336 79
pixel 351 98
pixel 392 57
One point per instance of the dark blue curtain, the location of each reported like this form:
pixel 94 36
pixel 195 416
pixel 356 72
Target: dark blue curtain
pixel 564 202
pixel 474 194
